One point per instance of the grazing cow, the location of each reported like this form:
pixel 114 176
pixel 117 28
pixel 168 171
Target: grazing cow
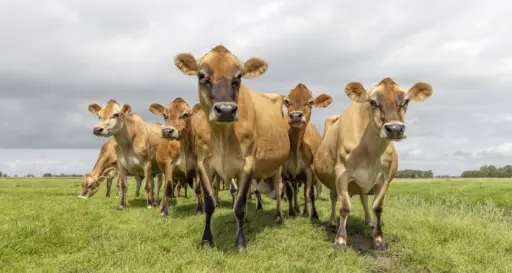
pixel 104 168
pixel 357 156
pixel 248 131
pixel 304 142
pixel 137 144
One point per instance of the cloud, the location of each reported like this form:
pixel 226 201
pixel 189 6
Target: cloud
pixel 58 56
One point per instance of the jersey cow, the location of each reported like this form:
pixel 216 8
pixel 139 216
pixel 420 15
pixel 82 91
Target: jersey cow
pixel 304 142
pixel 104 168
pixel 137 144
pixel 357 156
pixel 248 131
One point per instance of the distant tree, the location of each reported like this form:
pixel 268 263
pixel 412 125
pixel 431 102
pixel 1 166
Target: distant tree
pixel 489 171
pixel 47 175
pixel 414 174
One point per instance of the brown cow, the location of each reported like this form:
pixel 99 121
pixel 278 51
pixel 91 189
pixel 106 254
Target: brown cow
pixel 304 142
pixel 137 144
pixel 248 131
pixel 357 156
pixel 104 168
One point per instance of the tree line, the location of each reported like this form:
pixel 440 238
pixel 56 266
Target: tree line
pixel 414 174
pixel 489 171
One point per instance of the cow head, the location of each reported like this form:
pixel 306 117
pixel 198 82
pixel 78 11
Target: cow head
pixel 388 104
pixel 219 75
pixel 299 103
pixel 90 185
pixel 111 118
pixel 176 116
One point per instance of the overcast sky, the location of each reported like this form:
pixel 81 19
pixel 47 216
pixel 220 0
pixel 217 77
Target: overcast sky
pixel 56 57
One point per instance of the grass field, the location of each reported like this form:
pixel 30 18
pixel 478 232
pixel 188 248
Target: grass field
pixel 429 225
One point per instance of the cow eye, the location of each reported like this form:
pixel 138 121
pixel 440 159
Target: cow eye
pixel 373 103
pixel 286 103
pixel 310 103
pixel 116 115
pixel 406 102
pixel 185 115
pixel 202 78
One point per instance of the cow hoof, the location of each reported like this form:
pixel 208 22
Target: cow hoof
pixel 259 209
pixel 206 243
pixel 279 219
pixel 381 246
pixel 241 249
pixel 121 207
pixel 292 214
pixel 341 247
pixel 370 225
pixel 150 206
pixel 315 217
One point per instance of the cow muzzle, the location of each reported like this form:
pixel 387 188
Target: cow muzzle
pixel 170 132
pixel 394 131
pixel 224 112
pixel 98 131
pixel 297 119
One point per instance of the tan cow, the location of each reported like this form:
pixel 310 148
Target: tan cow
pixel 357 156
pixel 304 142
pixel 137 144
pixel 248 131
pixel 104 168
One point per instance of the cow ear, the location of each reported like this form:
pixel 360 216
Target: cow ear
pixel 254 67
pixel 156 109
pixel 94 108
pixel 186 63
pixel 356 91
pixel 126 109
pixel 420 92
pixel 101 178
pixel 196 108
pixel 323 100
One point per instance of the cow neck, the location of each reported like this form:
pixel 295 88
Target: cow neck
pixel 125 136
pixel 375 145
pixel 99 168
pixel 187 141
pixel 296 138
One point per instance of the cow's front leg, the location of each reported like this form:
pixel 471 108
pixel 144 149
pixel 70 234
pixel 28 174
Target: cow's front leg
pixel 148 179
pixel 124 187
pixel 342 180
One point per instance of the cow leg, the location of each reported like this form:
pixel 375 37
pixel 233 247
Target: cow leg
pixel 378 202
pixel 258 201
pixel 199 195
pixel 168 190
pixel 241 201
pixel 310 194
pixel 118 186
pixel 178 190
pixel 342 180
pixel 367 217
pixel 305 212
pixel 124 186
pixel 109 186
pixel 152 188
pixel 277 187
pixel 289 196
pixel 216 182
pixel 334 198
pixel 233 188
pixel 158 187
pixel 319 188
pixel 209 204
pixel 138 183
pixel 296 206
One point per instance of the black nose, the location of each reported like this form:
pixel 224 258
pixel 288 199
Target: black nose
pixel 167 132
pixel 394 129
pixel 296 116
pixel 225 111
pixel 97 130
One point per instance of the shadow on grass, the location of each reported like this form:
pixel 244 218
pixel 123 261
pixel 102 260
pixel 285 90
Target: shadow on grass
pixel 359 236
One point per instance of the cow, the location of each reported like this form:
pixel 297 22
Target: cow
pixel 357 155
pixel 104 168
pixel 137 144
pixel 304 142
pixel 248 131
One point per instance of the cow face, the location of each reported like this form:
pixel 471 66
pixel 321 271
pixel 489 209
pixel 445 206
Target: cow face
pixel 219 75
pixel 388 104
pixel 299 103
pixel 176 116
pixel 90 185
pixel 111 118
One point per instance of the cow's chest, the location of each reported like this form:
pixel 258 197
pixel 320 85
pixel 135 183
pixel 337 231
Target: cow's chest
pixel 294 165
pixel 131 161
pixel 365 175
pixel 185 164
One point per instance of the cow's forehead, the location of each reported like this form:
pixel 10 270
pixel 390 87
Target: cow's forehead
pixel 387 89
pixel 219 61
pixel 300 93
pixel 110 108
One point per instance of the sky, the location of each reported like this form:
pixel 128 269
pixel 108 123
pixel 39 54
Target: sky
pixel 56 57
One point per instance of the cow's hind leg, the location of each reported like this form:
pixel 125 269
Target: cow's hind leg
pixel 367 217
pixel 258 200
pixel 109 186
pixel 289 196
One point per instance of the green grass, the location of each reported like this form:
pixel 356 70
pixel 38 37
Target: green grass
pixel 429 225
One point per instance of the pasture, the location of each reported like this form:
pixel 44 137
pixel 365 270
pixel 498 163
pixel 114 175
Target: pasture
pixel 455 225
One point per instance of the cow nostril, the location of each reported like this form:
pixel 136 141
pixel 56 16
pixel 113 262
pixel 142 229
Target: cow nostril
pixel 217 109
pixel 234 109
pixel 388 128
